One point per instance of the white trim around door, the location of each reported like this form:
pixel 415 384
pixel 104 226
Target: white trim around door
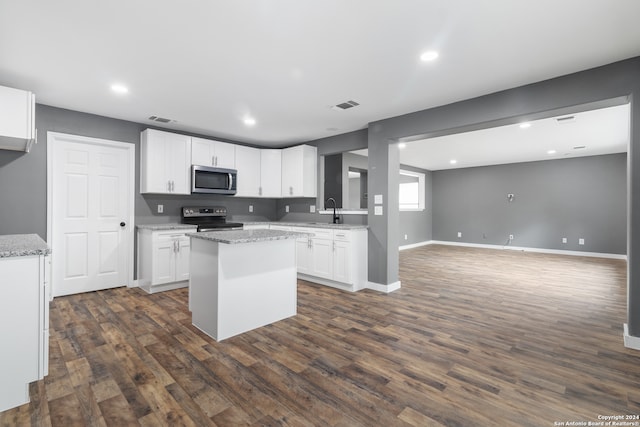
pixel 72 158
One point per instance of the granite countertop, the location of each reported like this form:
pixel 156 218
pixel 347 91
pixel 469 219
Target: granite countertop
pixel 309 224
pixel 246 236
pixel 15 245
pixel 168 226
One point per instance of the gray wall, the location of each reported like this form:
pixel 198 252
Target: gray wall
pixel 333 179
pixel 417 225
pixel 573 198
pixel 299 211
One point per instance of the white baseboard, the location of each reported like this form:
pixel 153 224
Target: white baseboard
pixel 384 288
pixel 517 248
pixel 415 245
pixel 629 340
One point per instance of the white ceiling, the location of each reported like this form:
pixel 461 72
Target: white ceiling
pixel 590 133
pixel 208 64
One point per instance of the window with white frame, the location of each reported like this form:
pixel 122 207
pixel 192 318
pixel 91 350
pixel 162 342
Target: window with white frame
pixel 411 191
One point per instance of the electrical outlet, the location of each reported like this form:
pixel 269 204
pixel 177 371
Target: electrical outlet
pixel 405 237
pixel 510 236
pixel 581 241
pixel 564 240
pixel 160 208
pixel 250 208
pixel 286 208
pixel 459 233
pixel 312 208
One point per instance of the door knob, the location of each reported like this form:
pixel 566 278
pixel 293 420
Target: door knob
pixel 122 224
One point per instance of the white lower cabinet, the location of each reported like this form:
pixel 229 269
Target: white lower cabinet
pixel 24 326
pixel 329 256
pixel 332 257
pixel 163 259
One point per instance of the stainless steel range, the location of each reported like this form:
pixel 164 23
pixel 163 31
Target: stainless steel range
pixel 208 218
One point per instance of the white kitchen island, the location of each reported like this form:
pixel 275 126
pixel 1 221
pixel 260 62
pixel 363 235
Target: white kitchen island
pixel 242 280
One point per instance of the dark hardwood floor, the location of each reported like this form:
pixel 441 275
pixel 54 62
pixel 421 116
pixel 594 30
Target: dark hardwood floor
pixel 474 337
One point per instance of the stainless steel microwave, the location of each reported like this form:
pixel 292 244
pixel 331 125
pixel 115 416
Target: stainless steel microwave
pixel 208 180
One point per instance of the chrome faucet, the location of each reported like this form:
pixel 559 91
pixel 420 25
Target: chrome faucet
pixel 336 218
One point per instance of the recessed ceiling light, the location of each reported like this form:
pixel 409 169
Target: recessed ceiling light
pixel 118 88
pixel 525 125
pixel 551 152
pixel 453 162
pixel 429 55
pixel 249 121
pixel 402 145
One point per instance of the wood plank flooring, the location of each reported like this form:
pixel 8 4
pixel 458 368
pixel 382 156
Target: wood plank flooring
pixel 474 337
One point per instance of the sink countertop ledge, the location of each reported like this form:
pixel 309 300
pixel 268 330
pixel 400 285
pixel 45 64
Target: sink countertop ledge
pixel 246 236
pixel 167 226
pixel 16 245
pixel 309 225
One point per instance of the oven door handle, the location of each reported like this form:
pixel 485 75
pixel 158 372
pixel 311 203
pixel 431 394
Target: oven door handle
pixel 230 181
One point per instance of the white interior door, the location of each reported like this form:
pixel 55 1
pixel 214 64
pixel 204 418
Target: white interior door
pixel 90 213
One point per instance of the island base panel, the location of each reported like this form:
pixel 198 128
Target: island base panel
pixel 239 287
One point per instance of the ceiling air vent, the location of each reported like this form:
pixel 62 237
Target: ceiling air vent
pixel 345 105
pixel 566 119
pixel 160 119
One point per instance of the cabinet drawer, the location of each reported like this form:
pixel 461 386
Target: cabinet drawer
pixel 169 235
pixel 342 235
pixel 322 233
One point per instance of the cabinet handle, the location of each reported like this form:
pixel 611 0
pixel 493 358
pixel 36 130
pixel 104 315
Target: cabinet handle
pixel 259 191
pixel 334 246
pixel 291 191
pixel 169 186
pixel 213 162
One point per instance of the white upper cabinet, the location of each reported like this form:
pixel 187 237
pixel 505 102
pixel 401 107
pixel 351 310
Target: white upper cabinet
pixel 17 119
pixel 271 173
pixel 299 175
pixel 248 166
pixel 259 172
pixel 165 162
pixel 207 152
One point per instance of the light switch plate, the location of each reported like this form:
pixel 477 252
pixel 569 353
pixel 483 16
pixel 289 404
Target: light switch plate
pixel 250 208
pixel 377 199
pixel 286 208
pixel 160 208
pixel 377 210
pixel 312 208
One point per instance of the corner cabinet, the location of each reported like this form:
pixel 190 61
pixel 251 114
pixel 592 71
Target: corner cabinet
pixel 299 171
pixel 165 164
pixel 259 172
pixel 17 119
pixel 163 259
pixel 24 326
